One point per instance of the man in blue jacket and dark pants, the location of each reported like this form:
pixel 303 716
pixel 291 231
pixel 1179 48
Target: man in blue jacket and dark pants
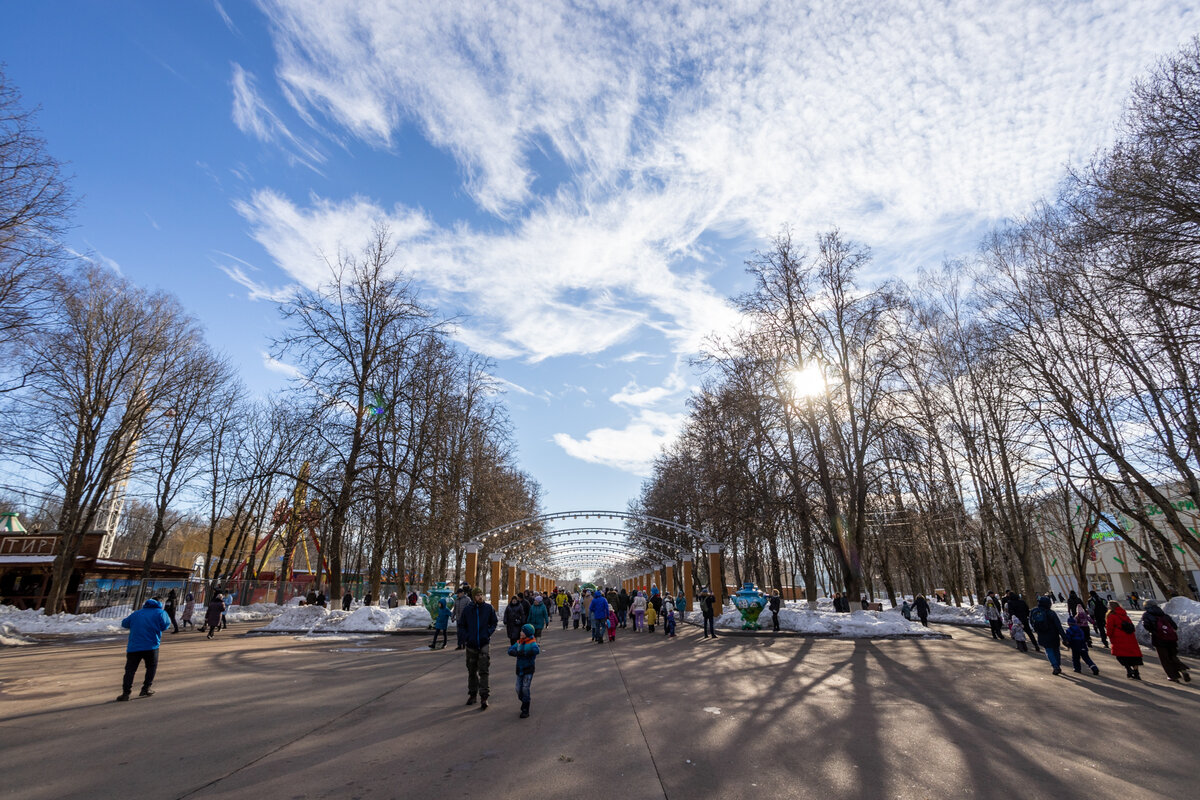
pixel 476 624
pixel 599 613
pixel 145 635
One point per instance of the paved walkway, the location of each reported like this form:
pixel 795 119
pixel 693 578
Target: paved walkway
pixel 273 717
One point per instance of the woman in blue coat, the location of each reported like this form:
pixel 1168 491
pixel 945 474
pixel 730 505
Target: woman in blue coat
pixel 539 615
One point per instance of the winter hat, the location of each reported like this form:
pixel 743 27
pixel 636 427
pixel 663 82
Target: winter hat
pixel 527 629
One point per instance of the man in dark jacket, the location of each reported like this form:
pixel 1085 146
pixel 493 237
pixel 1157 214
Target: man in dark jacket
pixel 476 624
pixel 623 602
pixel 347 600
pixel 1049 632
pixel 708 602
pixel 146 628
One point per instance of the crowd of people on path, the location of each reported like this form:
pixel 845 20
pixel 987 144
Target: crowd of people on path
pixel 603 611
pixel 1042 628
pixel 598 611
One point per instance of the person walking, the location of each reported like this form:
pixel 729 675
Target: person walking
pixel 1020 611
pixel 476 624
pixel 526 650
pixel 906 610
pixel 598 609
pixel 1123 643
pixel 461 600
pixel 367 598
pixel 514 618
pixel 991 612
pixel 564 608
pixel 169 607
pixel 189 608
pixel 212 614
pixel 1164 636
pixel 623 603
pixel 440 625
pixel 539 615
pixel 347 600
pixel 774 602
pixel 146 628
pixel 576 611
pixel 1049 631
pixel 1073 602
pixel 637 610
pixel 921 606
pixel 1099 610
pixel 708 602
pixel 1076 638
pixel 669 616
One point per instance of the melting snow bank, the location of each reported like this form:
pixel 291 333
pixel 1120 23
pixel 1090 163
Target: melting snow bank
pixel 855 625
pixel 366 619
pixel 16 622
pixel 948 615
pixel 32 621
pixel 1186 613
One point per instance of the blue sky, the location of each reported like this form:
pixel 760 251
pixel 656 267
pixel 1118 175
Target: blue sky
pixel 581 186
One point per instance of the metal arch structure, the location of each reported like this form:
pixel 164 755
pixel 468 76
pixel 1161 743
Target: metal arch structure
pixel 588 514
pixel 669 547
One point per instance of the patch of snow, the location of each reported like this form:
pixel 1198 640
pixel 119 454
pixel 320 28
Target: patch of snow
pixel 10 638
pixel 364 619
pixel 32 621
pixel 822 622
pixel 298 618
pixel 712 710
pixel 949 615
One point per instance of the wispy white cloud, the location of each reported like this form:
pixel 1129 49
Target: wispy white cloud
pixel 225 17
pixel 634 395
pixel 670 127
pixel 254 117
pixel 632 448
pixel 283 368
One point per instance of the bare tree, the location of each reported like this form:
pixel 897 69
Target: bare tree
pixel 112 354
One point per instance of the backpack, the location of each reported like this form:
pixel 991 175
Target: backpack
pixel 1164 631
pixel 1127 626
pixel 1037 617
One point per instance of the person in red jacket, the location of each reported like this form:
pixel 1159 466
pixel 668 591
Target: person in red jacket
pixel 1123 641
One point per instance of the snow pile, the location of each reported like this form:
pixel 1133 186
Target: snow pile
pixel 254 612
pixel 855 625
pixel 948 615
pixel 375 619
pixel 364 619
pixel 10 638
pixel 32 621
pixel 298 618
pixel 1186 613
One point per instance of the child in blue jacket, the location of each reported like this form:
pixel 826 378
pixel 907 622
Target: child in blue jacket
pixel 440 625
pixel 526 651
pixel 1076 638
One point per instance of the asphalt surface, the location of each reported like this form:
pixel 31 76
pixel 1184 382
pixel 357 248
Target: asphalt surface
pixel 736 717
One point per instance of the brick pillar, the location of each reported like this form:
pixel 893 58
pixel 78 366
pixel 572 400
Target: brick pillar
pixel 496 581
pixel 512 580
pixel 688 591
pixel 716 578
pixel 521 573
pixel 472 562
pixel 669 581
